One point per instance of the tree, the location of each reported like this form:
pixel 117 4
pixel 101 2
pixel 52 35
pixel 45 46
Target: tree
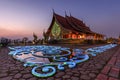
pixel 46 36
pixel 35 38
pixel 25 39
pixel 4 42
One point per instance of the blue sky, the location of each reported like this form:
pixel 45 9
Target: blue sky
pixel 19 18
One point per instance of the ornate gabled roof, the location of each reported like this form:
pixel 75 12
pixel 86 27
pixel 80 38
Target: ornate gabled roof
pixel 64 22
pixel 71 23
pixel 79 25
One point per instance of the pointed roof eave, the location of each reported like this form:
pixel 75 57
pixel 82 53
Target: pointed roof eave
pixel 64 23
pixel 53 11
pixel 75 25
pixel 50 27
pixel 80 24
pixel 72 24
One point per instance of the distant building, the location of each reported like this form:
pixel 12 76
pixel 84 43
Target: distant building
pixel 69 27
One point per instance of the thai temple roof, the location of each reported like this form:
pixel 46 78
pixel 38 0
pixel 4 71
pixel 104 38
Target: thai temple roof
pixel 71 23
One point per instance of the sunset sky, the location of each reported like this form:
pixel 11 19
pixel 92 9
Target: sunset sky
pixel 20 18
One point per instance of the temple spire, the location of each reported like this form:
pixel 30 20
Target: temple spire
pixel 70 14
pixel 53 11
pixel 65 13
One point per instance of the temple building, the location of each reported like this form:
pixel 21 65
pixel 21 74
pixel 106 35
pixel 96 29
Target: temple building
pixel 69 27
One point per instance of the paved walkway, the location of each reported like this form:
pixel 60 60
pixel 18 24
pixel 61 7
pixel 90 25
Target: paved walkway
pixel 105 66
pixel 112 70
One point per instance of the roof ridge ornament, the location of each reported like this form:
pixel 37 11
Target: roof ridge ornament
pixel 70 14
pixel 65 14
pixel 53 11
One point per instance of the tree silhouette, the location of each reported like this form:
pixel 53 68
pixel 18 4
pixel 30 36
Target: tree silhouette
pixel 4 42
pixel 25 39
pixel 35 41
pixel 46 36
